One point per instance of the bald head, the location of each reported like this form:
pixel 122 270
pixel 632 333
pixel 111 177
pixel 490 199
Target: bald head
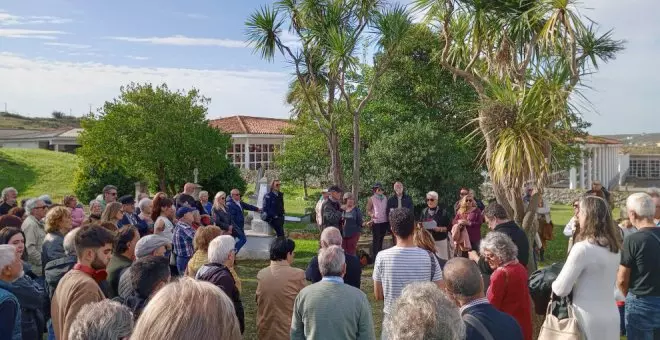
pixel 463 279
pixel 189 188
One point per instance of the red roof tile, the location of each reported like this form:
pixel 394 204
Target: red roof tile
pixel 251 125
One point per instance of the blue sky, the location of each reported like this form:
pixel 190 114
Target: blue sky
pixel 67 55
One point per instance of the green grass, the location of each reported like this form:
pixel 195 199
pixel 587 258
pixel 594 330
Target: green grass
pixel 34 172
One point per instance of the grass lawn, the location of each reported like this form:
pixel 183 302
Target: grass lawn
pixel 34 172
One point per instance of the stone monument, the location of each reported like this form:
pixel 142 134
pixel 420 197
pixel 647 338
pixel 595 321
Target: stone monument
pixel 260 235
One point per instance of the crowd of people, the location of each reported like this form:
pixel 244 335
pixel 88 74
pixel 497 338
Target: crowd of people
pixel 165 268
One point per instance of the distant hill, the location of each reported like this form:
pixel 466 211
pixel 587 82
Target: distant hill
pixel 638 139
pixel 15 121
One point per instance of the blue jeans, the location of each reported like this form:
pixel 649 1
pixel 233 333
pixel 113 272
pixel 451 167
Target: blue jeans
pixel 51 331
pixel 182 263
pixel 242 240
pixel 622 320
pixel 642 317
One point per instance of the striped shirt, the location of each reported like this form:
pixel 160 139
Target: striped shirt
pixel 398 266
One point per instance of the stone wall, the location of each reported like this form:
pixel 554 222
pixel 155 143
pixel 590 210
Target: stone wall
pixel 561 195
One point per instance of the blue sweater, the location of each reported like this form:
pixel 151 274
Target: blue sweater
pixel 500 325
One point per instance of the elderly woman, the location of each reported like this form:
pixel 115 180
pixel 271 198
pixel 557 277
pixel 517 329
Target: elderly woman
pixel 77 212
pixel 58 223
pixel 470 218
pixel 95 211
pixel 590 271
pixel 113 214
pixel 10 309
pixel 168 316
pixel 104 320
pixel 203 238
pixel 204 201
pixel 221 255
pixel 145 223
pixel 508 291
pixel 352 224
pixel 220 213
pixel 435 218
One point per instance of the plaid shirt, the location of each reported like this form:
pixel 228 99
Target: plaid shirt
pixel 182 241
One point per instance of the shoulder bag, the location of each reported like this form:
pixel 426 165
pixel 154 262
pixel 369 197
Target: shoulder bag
pixel 565 329
pixel 478 325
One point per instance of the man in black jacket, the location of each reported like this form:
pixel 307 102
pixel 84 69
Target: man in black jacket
pixel 272 210
pixel 332 209
pixel 498 220
pixel 399 200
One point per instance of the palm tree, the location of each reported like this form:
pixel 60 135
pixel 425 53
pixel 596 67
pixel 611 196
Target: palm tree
pixel 525 59
pixel 329 36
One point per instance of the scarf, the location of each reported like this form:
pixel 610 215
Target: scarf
pixel 97 275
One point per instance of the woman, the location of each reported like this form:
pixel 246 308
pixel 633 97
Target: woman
pixel 77 212
pixel 573 226
pixel 423 239
pixel 16 237
pixel 57 223
pixel 155 205
pixel 590 271
pixel 113 214
pixel 163 224
pixel 180 310
pixel 203 237
pixel 508 291
pixel 204 200
pixel 436 216
pixel 545 226
pixel 470 218
pixel 30 294
pixel 221 257
pixel 352 224
pixel 221 216
pixel 95 211
pixel 145 223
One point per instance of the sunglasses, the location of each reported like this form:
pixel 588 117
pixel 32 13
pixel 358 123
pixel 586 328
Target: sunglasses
pixel 430 199
pixel 469 201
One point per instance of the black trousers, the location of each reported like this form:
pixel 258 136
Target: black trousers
pixel 378 230
pixel 278 225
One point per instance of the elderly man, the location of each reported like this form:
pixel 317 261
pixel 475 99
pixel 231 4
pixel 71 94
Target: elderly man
pixel 183 237
pixel 597 189
pixel 319 205
pixel 128 208
pixel 278 286
pixel 11 268
pixel 109 195
pixel 33 228
pixel 150 245
pixel 423 312
pixel 332 237
pixel 639 271
pixel 315 314
pixel 8 200
pixel 332 209
pixel 273 208
pixel 465 286
pixel 104 320
pixel 235 208
pixel 399 199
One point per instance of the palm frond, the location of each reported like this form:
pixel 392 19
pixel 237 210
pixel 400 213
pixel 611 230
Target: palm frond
pixel 391 26
pixel 263 29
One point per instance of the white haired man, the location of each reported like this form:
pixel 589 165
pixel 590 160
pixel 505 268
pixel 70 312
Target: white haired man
pixel 104 320
pixel 8 200
pixel 33 228
pixel 639 271
pixel 109 195
pixel 332 237
pixel 315 313
pixel 11 268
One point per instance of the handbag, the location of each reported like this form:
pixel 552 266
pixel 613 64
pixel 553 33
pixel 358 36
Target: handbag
pixel 554 328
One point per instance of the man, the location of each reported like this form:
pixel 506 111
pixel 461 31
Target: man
pixel 109 195
pixel 184 234
pixel 123 256
pixel 639 271
pixel 277 288
pixel 597 189
pixel 148 275
pixel 332 209
pixel 186 198
pixel 33 228
pixel 104 320
pixel 377 211
pixel 11 268
pixel 465 286
pixel 315 314
pixel 318 208
pixel 331 236
pixel 235 208
pixel 150 245
pixel 8 200
pixel 402 264
pixel 273 208
pixel 400 199
pixel 80 286
pixel 128 208
pixel 498 220
pixel 424 312
pixel 655 194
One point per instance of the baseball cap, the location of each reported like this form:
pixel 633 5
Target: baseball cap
pixel 127 199
pixel 377 185
pixel 335 188
pixel 184 210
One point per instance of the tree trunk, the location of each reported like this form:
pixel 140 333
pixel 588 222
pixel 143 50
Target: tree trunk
pixel 335 159
pixel 162 183
pixel 304 181
pixel 356 155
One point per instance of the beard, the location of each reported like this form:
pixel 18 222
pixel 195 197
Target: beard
pixel 98 264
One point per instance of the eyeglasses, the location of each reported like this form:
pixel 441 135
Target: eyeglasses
pixel 222 198
pixel 575 206
pixel 468 201
pixel 430 199
pixel 112 193
pixel 489 256
pixel 41 207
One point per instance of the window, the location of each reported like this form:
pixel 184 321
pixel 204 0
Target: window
pixel 262 155
pixel 236 154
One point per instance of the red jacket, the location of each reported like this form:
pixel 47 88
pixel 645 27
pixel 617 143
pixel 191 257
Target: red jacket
pixel 508 292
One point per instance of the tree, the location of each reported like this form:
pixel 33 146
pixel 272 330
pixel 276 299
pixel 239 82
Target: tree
pixel 155 134
pixel 524 59
pixel 332 33
pixel 89 180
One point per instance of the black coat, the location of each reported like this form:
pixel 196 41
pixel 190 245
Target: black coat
pixel 273 206
pixel 442 218
pixel 353 271
pixel 518 237
pixel 222 218
pixel 220 276
pixel 406 202
pixel 55 270
pixel 53 248
pixel 332 213
pixel 31 297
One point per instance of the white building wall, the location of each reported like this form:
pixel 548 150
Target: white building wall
pixel 20 145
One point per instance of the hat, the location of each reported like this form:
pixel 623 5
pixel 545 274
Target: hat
pixel 325 191
pixel 146 245
pixel 184 210
pixel 377 185
pixel 127 199
pixel 335 188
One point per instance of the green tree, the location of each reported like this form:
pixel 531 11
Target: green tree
pixel 156 134
pixel 89 180
pixel 332 34
pixel 524 59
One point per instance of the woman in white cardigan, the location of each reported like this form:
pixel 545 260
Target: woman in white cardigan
pixel 590 271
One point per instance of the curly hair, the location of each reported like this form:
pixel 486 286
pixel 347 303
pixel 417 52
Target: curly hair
pixel 55 217
pixel 204 236
pixel 501 245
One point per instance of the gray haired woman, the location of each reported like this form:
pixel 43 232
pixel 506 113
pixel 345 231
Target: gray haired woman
pixel 508 291
pixel 104 320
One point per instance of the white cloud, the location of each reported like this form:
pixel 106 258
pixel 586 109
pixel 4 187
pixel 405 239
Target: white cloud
pixel 181 40
pixel 135 57
pixel 25 33
pixel 67 85
pixel 196 16
pixel 7 19
pixel 68 45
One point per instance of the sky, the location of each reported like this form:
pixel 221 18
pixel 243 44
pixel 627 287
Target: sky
pixel 70 55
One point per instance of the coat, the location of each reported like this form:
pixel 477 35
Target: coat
pixel 442 218
pixel 115 268
pixel 55 270
pixel 220 276
pixel 34 240
pixel 331 212
pixel 31 297
pixel 9 313
pixel 518 237
pixel 53 248
pixel 75 290
pixel 236 212
pixel 508 292
pixel 222 218
pixel 406 202
pixel 273 206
